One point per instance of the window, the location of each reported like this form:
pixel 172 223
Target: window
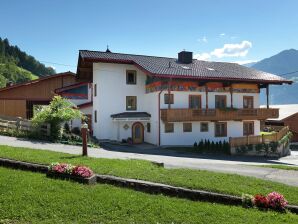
pixel 167 98
pixel 131 77
pixel 169 127
pixel 131 103
pixel 195 101
pixel 95 116
pixel 187 127
pixel 148 127
pixel 248 128
pixel 204 127
pixel 95 89
pixel 220 101
pixel 248 102
pixel 221 129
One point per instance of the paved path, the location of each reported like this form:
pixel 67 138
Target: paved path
pixel 171 159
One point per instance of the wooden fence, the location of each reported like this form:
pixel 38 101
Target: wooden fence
pixel 19 124
pixel 257 139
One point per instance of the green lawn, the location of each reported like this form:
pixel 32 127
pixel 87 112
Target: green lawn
pixel 27 197
pixel 139 169
pixel 282 167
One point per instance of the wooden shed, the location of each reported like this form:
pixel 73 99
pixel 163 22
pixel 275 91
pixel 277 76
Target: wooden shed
pixel 288 116
pixel 18 100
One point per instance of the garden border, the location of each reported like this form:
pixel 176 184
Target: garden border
pixel 144 186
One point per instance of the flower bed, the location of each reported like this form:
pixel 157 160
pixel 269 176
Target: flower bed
pixel 81 174
pixel 273 201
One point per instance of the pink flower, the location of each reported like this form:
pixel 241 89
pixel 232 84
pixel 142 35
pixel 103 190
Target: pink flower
pixel 276 200
pixel 82 171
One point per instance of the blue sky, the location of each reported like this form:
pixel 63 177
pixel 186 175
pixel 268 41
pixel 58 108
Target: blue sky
pixel 230 30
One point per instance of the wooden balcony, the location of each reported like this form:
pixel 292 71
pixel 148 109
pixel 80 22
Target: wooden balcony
pixel 181 115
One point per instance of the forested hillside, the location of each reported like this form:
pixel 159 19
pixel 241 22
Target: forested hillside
pixel 17 66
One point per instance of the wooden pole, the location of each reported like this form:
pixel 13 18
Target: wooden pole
pixel 267 95
pixel 206 91
pixel 169 93
pixel 84 130
pixel 231 92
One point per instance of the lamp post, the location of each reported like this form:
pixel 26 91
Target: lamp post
pixel 84 130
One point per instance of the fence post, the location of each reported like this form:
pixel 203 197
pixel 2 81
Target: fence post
pixel 84 130
pixel 262 138
pixel 48 129
pixel 18 123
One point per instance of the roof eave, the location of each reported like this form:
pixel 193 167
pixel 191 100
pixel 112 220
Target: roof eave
pixel 121 61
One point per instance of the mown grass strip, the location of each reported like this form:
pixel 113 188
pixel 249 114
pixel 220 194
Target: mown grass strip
pixel 144 170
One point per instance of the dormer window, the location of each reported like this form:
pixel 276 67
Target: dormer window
pixel 131 77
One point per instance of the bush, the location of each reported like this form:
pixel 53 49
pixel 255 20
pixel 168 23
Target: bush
pixel 58 112
pixel 247 200
pixel 276 201
pixel 261 201
pixel 82 171
pixel 76 131
pixel 64 168
pixel 212 147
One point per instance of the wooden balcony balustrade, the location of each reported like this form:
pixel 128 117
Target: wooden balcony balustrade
pixel 182 115
pixel 257 139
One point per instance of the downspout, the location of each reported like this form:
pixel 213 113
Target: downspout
pixel 159 116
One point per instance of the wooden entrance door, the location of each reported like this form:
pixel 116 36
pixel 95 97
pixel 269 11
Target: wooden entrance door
pixel 137 133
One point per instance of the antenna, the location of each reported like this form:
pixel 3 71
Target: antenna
pixel 108 50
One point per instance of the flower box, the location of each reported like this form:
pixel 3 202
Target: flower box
pixel 81 174
pixel 64 176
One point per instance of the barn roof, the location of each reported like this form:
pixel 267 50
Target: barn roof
pixel 170 67
pixel 38 80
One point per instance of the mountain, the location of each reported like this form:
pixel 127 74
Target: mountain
pixel 17 66
pixel 280 64
pixel 250 64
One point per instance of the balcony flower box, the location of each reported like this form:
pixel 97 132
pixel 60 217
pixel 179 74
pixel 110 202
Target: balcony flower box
pixel 80 174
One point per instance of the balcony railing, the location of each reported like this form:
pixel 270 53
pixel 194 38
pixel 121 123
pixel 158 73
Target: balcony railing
pixel 257 139
pixel 182 115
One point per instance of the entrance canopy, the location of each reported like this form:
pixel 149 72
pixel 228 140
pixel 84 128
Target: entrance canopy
pixel 131 116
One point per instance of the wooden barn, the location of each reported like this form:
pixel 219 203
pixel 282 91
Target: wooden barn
pixel 18 100
pixel 288 116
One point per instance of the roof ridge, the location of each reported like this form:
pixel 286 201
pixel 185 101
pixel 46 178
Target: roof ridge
pixel 130 54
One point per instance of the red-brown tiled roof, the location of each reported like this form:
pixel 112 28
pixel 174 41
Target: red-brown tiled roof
pixel 170 67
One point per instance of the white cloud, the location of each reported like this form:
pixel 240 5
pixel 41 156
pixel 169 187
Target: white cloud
pixel 203 56
pixel 222 34
pixel 228 50
pixel 203 39
pixel 232 50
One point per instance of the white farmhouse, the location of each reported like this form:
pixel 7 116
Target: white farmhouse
pixel 170 101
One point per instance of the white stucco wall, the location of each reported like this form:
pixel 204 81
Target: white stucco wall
pixel 178 137
pixel 111 96
pixel 111 99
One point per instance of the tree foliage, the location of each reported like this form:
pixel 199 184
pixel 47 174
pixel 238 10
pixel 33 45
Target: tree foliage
pixel 59 111
pixel 23 60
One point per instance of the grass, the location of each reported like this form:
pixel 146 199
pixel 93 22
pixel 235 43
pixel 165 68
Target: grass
pixel 282 167
pixel 139 169
pixel 27 197
pixel 267 133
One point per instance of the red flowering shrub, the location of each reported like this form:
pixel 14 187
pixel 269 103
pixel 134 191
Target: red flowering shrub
pixel 261 201
pixel 61 168
pixel 276 201
pixel 82 171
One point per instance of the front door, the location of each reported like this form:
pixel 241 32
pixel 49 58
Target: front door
pixel 137 133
